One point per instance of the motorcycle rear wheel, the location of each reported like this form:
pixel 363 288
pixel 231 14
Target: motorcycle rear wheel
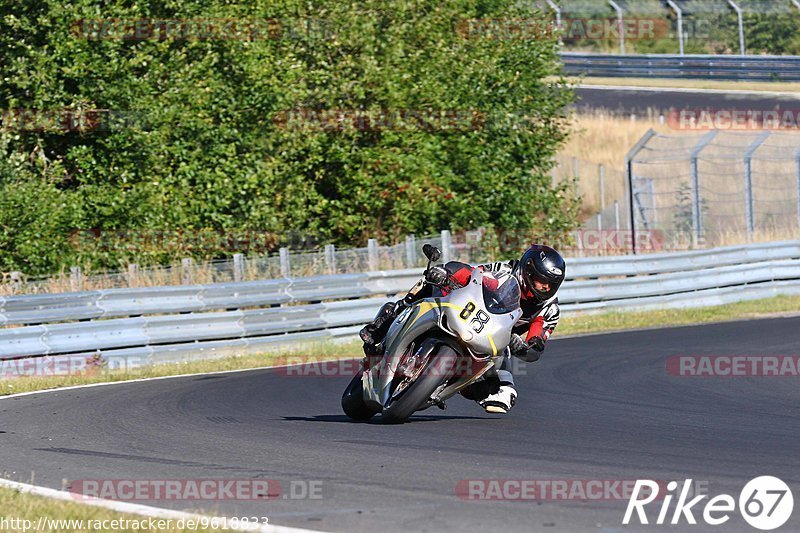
pixel 353 400
pixel 436 372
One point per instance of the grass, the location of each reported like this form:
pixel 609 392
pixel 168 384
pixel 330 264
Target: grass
pixel 21 506
pixel 766 86
pixel 570 324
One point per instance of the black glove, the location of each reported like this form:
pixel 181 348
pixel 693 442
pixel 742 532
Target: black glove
pixel 436 275
pixel 517 345
pixel 536 343
pixel 528 352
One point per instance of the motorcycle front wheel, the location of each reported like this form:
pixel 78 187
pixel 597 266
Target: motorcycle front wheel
pixel 438 369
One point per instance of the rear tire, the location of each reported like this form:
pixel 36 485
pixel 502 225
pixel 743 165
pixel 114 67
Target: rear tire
pixel 353 400
pixel 438 370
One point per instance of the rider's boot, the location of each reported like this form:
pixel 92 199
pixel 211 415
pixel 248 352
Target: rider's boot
pixel 502 401
pixel 373 333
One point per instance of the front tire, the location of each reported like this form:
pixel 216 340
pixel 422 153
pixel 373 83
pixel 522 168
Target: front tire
pixel 353 403
pixel 438 369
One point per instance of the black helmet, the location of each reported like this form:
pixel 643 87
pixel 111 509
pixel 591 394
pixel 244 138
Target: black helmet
pixel 542 263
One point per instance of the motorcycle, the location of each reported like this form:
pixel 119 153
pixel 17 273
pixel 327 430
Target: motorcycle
pixel 436 347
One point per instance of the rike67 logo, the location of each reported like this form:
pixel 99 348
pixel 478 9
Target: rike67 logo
pixel 765 503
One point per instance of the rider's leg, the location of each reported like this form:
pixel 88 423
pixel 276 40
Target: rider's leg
pixel 373 333
pixel 505 398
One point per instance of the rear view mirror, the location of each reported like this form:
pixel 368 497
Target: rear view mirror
pixel 431 252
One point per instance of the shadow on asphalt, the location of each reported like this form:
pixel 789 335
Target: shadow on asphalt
pixel 377 420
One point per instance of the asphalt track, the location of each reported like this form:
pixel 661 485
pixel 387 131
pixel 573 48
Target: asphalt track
pixel 632 101
pixel 597 407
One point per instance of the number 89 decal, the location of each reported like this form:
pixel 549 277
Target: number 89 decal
pixel 480 320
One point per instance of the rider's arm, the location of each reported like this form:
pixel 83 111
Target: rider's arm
pixel 543 325
pixel 459 272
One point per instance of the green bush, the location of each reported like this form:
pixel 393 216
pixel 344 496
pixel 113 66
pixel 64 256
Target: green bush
pixel 191 135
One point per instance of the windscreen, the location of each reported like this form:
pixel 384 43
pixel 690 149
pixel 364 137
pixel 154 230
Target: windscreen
pixel 500 293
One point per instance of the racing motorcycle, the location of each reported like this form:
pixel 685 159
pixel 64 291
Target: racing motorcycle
pixel 436 347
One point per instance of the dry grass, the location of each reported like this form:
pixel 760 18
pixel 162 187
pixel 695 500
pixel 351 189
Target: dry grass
pixel 603 138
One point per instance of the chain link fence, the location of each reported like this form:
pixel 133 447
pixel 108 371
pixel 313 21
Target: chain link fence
pixel 674 26
pixel 716 188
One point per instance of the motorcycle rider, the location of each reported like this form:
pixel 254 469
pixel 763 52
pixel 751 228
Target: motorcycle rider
pixel 540 272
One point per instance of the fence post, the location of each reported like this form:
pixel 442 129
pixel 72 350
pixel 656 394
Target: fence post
pixel 330 258
pixel 616 215
pixel 629 169
pixel 372 254
pixel 748 183
pixel 411 251
pixel 599 223
pixel 238 267
pixel 133 274
pixel 286 267
pixel 678 12
pixel 697 219
pixel 186 266
pixel 75 278
pixel 446 243
pixel 602 171
pixel 620 26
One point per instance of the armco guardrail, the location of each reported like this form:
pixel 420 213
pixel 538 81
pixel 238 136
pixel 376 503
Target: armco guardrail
pixel 170 323
pixel 720 67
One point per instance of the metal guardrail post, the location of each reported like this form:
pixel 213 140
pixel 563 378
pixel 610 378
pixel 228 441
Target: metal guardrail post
pixel 697 219
pixel 620 25
pixel 748 182
pixel 629 169
pixel 741 25
pixel 372 254
pixel 411 251
pixel 679 13
pixel 286 268
pixel 446 244
pixel 238 267
pixel 330 258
